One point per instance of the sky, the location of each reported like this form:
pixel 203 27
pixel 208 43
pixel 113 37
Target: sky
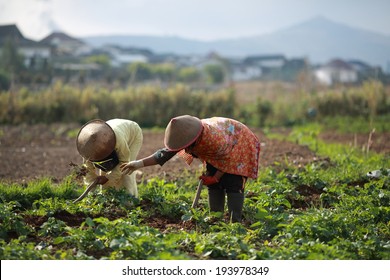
pixel 203 20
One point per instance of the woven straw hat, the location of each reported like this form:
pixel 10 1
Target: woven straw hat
pixel 181 132
pixel 96 140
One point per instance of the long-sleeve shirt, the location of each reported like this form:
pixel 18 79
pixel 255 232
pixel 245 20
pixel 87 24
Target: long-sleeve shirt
pixel 226 144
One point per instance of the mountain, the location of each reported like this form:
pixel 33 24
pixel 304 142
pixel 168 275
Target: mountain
pixel 321 39
pixel 317 39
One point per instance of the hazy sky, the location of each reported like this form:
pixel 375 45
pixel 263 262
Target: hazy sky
pixel 194 19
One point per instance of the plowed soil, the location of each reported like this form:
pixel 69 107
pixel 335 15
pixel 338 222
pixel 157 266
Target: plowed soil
pixel 33 151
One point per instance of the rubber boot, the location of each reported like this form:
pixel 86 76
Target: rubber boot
pixel 216 200
pixel 235 202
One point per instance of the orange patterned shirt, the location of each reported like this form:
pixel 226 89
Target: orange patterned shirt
pixel 228 145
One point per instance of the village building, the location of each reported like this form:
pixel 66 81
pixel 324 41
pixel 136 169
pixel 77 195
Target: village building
pixel 70 57
pixel 121 56
pixel 65 45
pixel 336 71
pixel 35 55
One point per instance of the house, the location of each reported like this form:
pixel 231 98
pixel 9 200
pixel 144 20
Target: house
pixel 35 54
pixel 180 61
pixel 65 45
pixel 271 66
pixel 166 58
pixel 239 71
pixel 359 65
pixel 293 69
pixel 212 58
pixel 266 61
pixel 336 71
pixel 267 67
pixel 121 56
pixel 366 71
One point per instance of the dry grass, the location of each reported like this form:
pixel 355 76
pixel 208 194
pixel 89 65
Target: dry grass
pixel 248 92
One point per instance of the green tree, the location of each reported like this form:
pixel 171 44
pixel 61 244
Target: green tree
pixel 215 73
pixel 11 62
pixel 140 71
pixel 189 75
pixel 102 59
pixel 165 71
pixel 5 81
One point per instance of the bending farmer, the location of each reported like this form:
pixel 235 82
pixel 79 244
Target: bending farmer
pixel 104 146
pixel 229 149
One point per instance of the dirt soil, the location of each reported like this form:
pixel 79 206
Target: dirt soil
pixel 34 151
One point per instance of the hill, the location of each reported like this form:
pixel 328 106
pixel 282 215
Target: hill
pixel 318 39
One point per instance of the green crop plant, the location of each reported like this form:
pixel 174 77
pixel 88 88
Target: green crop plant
pixel 34 190
pixel 327 209
pixel 12 224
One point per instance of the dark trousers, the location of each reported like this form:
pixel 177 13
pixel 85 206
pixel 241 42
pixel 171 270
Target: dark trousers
pixel 230 186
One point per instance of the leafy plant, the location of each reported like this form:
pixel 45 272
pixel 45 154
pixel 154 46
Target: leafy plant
pixel 12 225
pixel 327 209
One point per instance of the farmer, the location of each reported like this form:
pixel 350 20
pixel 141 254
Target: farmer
pixel 104 146
pixel 227 147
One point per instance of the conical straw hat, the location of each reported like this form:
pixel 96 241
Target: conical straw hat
pixel 181 132
pixel 96 140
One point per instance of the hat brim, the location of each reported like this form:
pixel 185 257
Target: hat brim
pixel 96 140
pixel 181 132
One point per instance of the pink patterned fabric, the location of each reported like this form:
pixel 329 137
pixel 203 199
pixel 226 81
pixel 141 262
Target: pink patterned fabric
pixel 228 145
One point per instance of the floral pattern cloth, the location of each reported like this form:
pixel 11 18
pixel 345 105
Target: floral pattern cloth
pixel 228 145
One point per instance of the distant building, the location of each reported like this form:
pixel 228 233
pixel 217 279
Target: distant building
pixel 211 58
pixel 366 71
pixel 270 66
pixel 266 61
pixel 121 56
pixel 65 45
pixel 266 67
pixel 35 54
pixel 239 71
pixel 336 71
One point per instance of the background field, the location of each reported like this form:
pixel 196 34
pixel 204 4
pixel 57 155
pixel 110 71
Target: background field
pixel 43 150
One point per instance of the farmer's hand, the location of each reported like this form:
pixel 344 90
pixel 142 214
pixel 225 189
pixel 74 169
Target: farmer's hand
pixel 209 180
pixel 131 166
pixel 101 180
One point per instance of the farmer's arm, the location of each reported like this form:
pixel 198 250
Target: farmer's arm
pixel 159 157
pixel 91 175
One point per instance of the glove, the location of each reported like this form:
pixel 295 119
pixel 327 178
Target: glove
pixel 208 180
pixel 131 166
